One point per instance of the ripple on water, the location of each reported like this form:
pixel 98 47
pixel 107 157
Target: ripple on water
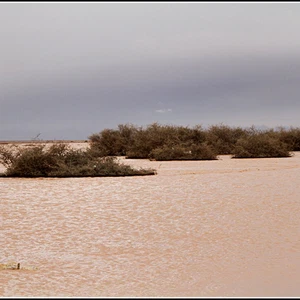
pixel 195 229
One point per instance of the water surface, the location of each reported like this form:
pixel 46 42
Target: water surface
pixel 196 229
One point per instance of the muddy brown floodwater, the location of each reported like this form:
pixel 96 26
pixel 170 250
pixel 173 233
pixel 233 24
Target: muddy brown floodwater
pixel 196 229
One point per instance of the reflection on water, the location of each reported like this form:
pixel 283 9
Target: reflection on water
pixel 205 228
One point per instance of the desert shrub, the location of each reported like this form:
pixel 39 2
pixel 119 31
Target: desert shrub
pixel 156 136
pixel 178 152
pixel 147 142
pixel 127 134
pixel 8 154
pixel 60 160
pixel 113 142
pixel 291 137
pixel 107 142
pixel 195 135
pixel 149 138
pixel 138 142
pixel 259 145
pixel 203 151
pixel 32 162
pixel 141 145
pixel 224 138
pixel 184 135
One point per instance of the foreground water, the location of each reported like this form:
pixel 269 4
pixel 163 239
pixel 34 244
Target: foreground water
pixel 196 229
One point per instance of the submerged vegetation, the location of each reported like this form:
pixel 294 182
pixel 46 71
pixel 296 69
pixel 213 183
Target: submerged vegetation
pixel 194 152
pixel 259 146
pixel 60 160
pixel 154 142
pixel 169 142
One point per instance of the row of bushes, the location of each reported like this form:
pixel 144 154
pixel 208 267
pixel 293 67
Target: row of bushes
pixel 156 142
pixel 60 160
pixel 169 142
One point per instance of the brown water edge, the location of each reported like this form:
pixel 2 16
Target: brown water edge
pixel 198 228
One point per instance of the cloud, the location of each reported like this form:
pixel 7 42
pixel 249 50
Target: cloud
pixel 162 111
pixel 63 74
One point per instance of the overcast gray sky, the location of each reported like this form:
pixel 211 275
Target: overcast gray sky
pixel 68 70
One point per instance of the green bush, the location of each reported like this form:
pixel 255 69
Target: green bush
pixel 152 137
pixel 290 137
pixel 158 141
pixel 224 138
pixel 178 152
pixel 113 142
pixel 60 160
pixel 107 143
pixel 260 145
pixel 138 142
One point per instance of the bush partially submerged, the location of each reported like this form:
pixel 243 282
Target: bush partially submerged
pixel 137 142
pixel 111 142
pixel 291 137
pixel 168 142
pixel 260 145
pixel 60 160
pixel 223 138
pixel 194 152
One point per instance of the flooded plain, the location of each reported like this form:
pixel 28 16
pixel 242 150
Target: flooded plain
pixel 221 228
